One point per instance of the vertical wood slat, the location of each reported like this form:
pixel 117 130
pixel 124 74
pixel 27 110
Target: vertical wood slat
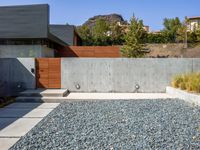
pixel 54 73
pixel 42 73
pixel 90 51
pixel 48 73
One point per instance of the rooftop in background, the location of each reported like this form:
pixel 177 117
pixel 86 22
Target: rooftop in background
pixel 195 17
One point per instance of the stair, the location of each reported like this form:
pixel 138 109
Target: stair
pixel 41 95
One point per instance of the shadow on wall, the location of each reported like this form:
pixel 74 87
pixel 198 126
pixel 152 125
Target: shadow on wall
pixel 17 74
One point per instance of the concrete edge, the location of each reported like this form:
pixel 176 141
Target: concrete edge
pixel 183 95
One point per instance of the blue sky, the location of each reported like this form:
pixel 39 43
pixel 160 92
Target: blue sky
pixel 151 11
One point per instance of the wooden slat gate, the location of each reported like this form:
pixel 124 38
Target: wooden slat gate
pixel 48 73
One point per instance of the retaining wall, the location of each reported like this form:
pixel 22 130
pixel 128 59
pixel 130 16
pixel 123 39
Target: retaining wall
pixel 16 75
pixel 99 75
pixel 122 74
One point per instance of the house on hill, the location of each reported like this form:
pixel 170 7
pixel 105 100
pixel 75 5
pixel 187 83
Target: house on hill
pixel 193 23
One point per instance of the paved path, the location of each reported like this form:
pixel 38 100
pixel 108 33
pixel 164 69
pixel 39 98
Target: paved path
pixel 19 118
pixel 117 96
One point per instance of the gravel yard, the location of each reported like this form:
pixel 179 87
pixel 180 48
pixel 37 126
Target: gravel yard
pixel 117 124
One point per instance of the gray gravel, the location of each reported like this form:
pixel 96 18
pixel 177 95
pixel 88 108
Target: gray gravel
pixel 122 124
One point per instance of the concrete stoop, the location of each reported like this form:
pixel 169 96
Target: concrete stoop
pixel 58 96
pixel 42 95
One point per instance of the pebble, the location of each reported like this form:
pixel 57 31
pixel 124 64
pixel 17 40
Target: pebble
pixel 117 124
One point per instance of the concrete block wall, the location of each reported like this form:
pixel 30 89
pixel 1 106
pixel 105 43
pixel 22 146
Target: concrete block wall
pixel 122 74
pixel 16 75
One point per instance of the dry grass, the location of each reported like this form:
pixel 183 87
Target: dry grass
pixel 189 82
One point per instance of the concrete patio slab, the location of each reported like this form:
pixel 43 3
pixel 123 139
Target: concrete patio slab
pixel 33 105
pixel 4 122
pixel 24 113
pixel 19 128
pixel 6 143
pixel 19 118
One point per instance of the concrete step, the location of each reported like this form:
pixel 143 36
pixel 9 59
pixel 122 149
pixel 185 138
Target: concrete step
pixel 44 93
pixel 97 97
pixel 41 99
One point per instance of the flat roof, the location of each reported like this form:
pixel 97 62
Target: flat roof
pixel 63 32
pixel 195 17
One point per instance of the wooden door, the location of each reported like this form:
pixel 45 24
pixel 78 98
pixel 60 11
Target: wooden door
pixel 48 73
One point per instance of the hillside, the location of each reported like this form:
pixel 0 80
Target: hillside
pixel 111 18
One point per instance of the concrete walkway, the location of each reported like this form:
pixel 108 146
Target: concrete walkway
pixel 121 96
pixel 19 118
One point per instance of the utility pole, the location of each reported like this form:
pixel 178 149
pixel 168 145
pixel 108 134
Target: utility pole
pixel 186 39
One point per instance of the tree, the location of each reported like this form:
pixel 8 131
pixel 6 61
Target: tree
pixel 85 35
pixel 134 43
pixel 183 35
pixel 171 27
pixel 100 32
pixel 117 34
pixel 198 35
pixel 161 37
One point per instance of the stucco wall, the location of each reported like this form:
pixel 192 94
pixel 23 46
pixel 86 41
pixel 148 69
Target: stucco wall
pixel 16 75
pixel 14 51
pixel 122 74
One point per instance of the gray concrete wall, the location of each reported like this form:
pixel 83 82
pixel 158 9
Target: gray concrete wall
pixel 16 75
pixel 14 51
pixel 122 74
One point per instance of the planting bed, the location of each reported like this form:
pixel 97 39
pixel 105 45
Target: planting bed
pixel 120 124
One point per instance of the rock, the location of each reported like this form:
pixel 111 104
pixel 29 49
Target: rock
pixel 112 18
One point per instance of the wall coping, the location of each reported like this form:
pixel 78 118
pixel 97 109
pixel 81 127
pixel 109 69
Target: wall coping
pixel 192 98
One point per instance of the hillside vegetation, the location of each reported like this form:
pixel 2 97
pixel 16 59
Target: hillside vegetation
pixel 107 30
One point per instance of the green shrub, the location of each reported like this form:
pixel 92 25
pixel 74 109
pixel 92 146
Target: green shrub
pixel 189 82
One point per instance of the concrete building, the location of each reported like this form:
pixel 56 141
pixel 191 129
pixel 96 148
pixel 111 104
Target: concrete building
pixel 193 23
pixel 25 32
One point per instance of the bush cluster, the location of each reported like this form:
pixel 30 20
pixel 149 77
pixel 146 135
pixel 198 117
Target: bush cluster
pixel 189 82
